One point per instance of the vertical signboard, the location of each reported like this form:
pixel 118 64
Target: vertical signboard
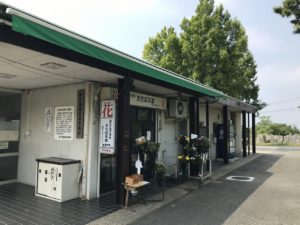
pixel 107 127
pixel 64 123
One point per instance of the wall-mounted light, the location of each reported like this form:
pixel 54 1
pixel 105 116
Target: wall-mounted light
pixel 53 65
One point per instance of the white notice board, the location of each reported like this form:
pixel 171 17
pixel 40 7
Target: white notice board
pixel 64 123
pixel 107 127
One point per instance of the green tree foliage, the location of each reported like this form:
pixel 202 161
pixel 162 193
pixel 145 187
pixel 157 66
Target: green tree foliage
pixel 290 8
pixel 164 50
pixel 282 129
pixel 212 49
pixel 266 126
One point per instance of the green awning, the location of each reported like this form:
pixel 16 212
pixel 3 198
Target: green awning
pixel 66 39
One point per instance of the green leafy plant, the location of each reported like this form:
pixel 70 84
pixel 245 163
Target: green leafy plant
pixel 201 145
pixel 151 150
pixel 185 156
pixel 160 171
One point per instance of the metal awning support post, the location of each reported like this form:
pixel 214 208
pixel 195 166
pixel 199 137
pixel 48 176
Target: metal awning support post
pixel 248 114
pixel 194 115
pixel 244 134
pixel 226 136
pixel 253 134
pixel 123 134
pixel 208 161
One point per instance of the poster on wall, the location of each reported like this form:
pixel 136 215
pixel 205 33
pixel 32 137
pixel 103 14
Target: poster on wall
pixel 64 123
pixel 48 120
pixel 107 127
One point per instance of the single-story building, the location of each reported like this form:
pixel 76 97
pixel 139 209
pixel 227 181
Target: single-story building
pixel 65 95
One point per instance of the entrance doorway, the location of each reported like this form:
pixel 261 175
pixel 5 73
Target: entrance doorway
pixel 10 108
pixel 108 172
pixel 142 123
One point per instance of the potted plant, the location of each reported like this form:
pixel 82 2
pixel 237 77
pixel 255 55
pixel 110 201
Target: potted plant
pixel 185 156
pixel 151 150
pixel 201 148
pixel 160 172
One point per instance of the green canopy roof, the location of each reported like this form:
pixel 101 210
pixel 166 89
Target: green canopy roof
pixel 46 31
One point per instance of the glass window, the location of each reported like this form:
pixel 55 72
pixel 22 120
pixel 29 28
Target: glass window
pixel 144 115
pixel 108 173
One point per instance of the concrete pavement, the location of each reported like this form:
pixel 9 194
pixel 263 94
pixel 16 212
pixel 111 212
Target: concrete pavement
pixel 137 211
pixel 276 201
pixel 273 198
pixel 216 202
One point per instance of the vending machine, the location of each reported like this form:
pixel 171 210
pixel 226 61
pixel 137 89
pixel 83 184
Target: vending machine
pixel 232 150
pixel 220 141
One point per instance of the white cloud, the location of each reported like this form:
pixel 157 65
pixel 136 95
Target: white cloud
pixel 262 42
pixel 229 4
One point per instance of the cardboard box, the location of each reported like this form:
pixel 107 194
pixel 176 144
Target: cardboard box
pixel 133 179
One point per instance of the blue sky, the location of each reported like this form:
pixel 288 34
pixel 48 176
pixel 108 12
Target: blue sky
pixel 127 24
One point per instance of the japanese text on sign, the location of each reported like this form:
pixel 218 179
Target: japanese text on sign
pixel 148 101
pixel 64 123
pixel 107 127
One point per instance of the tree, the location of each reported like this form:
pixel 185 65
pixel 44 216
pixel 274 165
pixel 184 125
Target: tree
pixel 282 130
pixel 212 48
pixel 264 126
pixel 164 50
pixel 290 8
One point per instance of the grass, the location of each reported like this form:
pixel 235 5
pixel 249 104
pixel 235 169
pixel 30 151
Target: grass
pixel 279 144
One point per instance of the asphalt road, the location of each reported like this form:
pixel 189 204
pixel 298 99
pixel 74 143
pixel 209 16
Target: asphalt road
pixel 272 198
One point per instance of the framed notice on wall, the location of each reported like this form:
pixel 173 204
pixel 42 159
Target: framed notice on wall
pixel 64 123
pixel 107 127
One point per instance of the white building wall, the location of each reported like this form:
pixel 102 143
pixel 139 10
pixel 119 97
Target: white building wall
pixel 202 114
pixel 167 137
pixel 34 141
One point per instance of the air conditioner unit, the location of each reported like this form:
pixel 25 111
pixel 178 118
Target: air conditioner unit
pixel 177 108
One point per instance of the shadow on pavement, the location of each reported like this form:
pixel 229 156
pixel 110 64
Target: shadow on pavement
pixel 214 203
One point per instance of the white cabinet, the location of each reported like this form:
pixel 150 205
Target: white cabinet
pixel 57 178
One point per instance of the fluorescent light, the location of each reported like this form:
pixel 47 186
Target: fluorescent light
pixel 53 65
pixel 7 76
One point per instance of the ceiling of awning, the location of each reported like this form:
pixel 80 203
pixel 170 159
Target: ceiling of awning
pixel 22 68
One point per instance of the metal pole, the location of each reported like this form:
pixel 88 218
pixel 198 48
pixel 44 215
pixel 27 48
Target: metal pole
pixel 123 134
pixel 208 164
pixel 226 136
pixel 244 134
pixel 248 133
pixel 253 134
